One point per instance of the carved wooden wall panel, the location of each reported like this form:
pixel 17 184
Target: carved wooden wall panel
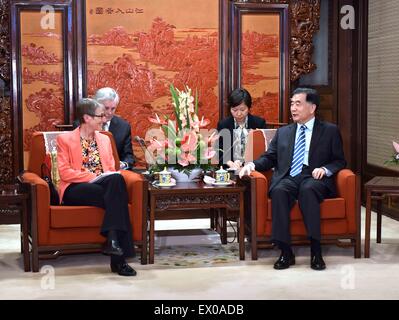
pixel 6 155
pixel 42 71
pixel 304 19
pixel 260 56
pixel 305 16
pixel 42 80
pixel 300 22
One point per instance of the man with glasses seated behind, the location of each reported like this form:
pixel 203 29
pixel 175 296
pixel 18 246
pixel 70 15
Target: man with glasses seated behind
pixel 84 154
pixel 120 128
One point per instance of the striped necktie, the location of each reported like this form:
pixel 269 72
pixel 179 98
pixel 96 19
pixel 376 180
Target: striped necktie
pixel 299 153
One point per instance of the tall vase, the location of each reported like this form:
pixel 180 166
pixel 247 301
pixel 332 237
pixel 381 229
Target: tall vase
pixel 184 177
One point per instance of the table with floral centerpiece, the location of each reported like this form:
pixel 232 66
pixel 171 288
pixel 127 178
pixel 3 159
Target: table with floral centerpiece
pixel 187 196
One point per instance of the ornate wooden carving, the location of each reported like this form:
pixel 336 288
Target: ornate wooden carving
pixel 232 200
pixel 4 40
pixel 304 19
pixel 305 16
pixel 6 156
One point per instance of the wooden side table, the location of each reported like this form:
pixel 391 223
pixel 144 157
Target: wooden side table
pixel 16 197
pixel 377 189
pixel 186 196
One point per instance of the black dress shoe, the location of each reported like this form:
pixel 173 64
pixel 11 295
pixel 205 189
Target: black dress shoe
pixel 284 262
pixel 112 248
pixel 123 269
pixel 317 262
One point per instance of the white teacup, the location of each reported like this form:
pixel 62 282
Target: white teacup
pixel 165 177
pixel 222 176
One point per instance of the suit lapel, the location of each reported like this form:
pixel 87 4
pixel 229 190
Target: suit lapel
pixel 316 134
pixel 251 123
pixel 112 124
pixel 76 149
pixel 291 139
pixel 99 143
pixel 231 124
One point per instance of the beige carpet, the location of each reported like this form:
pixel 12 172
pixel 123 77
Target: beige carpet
pixel 89 277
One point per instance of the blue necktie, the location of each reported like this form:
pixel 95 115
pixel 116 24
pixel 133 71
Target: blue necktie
pixel 299 153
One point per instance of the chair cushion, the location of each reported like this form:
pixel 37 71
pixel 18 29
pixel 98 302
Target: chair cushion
pixel 75 217
pixel 329 209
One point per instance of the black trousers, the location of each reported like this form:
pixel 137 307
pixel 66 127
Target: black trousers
pixel 309 192
pixel 110 194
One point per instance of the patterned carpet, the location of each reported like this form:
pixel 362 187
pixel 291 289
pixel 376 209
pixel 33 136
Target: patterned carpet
pixel 197 255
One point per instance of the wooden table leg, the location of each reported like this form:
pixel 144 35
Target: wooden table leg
pixel 223 225
pixel 151 240
pixel 367 225
pixel 241 228
pixel 379 205
pixel 212 216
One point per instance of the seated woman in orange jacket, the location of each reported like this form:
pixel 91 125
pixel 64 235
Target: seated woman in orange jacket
pixel 85 154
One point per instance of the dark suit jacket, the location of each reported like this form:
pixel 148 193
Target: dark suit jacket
pixel 325 151
pixel 254 122
pixel 121 131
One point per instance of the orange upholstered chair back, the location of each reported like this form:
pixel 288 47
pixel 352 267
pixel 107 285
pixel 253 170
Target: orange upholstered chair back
pixel 37 154
pixel 256 143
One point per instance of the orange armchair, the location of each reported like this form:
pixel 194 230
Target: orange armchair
pixel 58 230
pixel 340 216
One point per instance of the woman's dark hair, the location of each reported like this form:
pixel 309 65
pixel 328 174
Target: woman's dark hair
pixel 312 95
pixel 239 96
pixel 86 106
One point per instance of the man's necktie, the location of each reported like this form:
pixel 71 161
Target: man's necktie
pixel 299 153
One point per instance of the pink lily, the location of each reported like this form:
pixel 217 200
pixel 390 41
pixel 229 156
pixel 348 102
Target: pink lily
pixel 209 153
pixel 204 122
pixel 186 158
pixel 213 138
pixel 200 124
pixel 156 145
pixel 189 142
pixel 396 146
pixel 157 120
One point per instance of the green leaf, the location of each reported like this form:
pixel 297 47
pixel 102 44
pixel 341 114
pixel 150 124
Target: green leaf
pixel 175 98
pixel 187 118
pixel 167 131
pixel 172 129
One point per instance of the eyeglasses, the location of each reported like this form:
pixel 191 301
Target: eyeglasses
pixel 98 115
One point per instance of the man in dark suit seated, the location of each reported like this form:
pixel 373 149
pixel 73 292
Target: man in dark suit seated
pixel 119 128
pixel 233 138
pixel 305 156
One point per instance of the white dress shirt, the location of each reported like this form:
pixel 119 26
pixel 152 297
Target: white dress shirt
pixel 106 125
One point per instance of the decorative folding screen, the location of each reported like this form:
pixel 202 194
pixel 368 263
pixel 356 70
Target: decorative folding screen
pixel 42 64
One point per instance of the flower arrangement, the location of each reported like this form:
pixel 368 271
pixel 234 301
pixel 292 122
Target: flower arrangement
pixel 184 143
pixel 395 157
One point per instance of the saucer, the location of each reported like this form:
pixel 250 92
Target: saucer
pixel 227 183
pixel 171 184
